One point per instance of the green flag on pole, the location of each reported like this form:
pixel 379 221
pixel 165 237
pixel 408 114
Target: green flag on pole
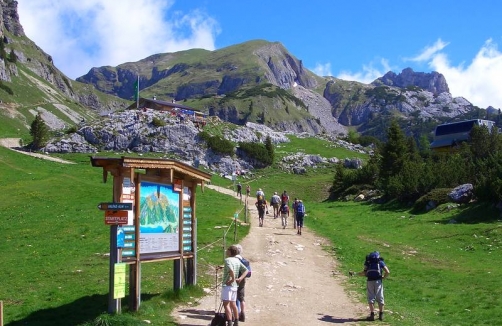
pixel 136 89
pixel 136 92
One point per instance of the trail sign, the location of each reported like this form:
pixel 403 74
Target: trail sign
pixel 116 217
pixel 115 206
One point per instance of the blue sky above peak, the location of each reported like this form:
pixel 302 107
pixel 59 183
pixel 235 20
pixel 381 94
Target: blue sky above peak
pixel 353 40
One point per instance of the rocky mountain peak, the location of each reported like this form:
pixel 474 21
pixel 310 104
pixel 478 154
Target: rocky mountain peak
pixel 10 17
pixel 433 82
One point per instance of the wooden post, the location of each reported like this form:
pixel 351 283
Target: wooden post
pixel 1 313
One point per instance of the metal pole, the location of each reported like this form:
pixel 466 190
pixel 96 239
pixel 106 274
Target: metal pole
pixel 235 229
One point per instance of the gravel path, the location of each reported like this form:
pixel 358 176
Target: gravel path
pixel 294 281
pixel 13 144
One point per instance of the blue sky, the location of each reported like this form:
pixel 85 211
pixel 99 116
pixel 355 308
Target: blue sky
pixel 353 40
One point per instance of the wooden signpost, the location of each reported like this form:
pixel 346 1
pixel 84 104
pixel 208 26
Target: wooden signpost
pixel 145 181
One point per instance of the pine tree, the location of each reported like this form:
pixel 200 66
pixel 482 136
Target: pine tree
pixel 394 154
pixel 40 132
pixel 270 148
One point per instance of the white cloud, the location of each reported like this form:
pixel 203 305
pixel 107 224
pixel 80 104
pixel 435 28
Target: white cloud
pixel 479 82
pixel 81 34
pixel 429 52
pixel 322 69
pixel 368 74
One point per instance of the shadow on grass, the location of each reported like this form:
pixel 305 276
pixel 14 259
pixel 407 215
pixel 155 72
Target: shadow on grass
pixel 80 311
pixel 472 214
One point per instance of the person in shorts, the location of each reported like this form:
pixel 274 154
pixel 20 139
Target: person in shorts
pixel 374 286
pixel 284 210
pixel 275 202
pixel 232 267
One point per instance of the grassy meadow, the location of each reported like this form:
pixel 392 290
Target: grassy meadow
pixel 444 264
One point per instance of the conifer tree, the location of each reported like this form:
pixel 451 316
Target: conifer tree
pixel 270 148
pixel 40 132
pixel 394 153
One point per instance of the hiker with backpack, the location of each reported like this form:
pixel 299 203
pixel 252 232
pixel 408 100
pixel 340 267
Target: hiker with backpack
pixel 284 209
pixel 232 268
pixel 242 284
pixel 295 209
pixel 261 205
pixel 275 202
pixel 260 193
pixel 285 198
pixel 375 270
pixel 239 190
pixel 300 214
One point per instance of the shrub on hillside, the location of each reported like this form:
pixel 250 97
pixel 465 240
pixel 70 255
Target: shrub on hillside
pixel 157 122
pixel 217 143
pixel 438 196
pixel 257 151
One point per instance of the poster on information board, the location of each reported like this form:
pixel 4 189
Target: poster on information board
pixel 159 218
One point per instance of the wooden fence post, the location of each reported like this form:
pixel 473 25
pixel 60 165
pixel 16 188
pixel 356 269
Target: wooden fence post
pixel 1 313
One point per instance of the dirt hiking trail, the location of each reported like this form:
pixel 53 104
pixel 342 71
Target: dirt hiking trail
pixel 294 281
pixel 13 144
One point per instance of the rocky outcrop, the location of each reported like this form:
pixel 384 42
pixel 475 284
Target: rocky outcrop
pixel 284 70
pixel 10 17
pixel 433 82
pixel 135 131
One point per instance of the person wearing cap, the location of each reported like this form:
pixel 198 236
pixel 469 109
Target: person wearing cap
pixel 375 271
pixel 260 193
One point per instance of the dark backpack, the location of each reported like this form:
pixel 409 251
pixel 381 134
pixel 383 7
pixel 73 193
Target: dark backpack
pixel 372 266
pixel 246 263
pixel 284 209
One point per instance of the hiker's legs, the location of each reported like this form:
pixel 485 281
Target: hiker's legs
pixel 380 298
pixel 228 310
pixel 241 292
pixel 235 311
pixel 375 293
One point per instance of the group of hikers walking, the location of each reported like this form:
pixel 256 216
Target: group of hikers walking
pixel 375 269
pixel 280 209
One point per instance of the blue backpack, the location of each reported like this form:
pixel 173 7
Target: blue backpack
pixel 246 263
pixel 372 266
pixel 300 210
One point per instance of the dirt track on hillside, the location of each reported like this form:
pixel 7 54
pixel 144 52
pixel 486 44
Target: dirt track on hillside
pixel 13 144
pixel 294 281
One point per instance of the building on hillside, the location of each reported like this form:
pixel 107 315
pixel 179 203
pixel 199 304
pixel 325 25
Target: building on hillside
pixel 183 112
pixel 448 136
